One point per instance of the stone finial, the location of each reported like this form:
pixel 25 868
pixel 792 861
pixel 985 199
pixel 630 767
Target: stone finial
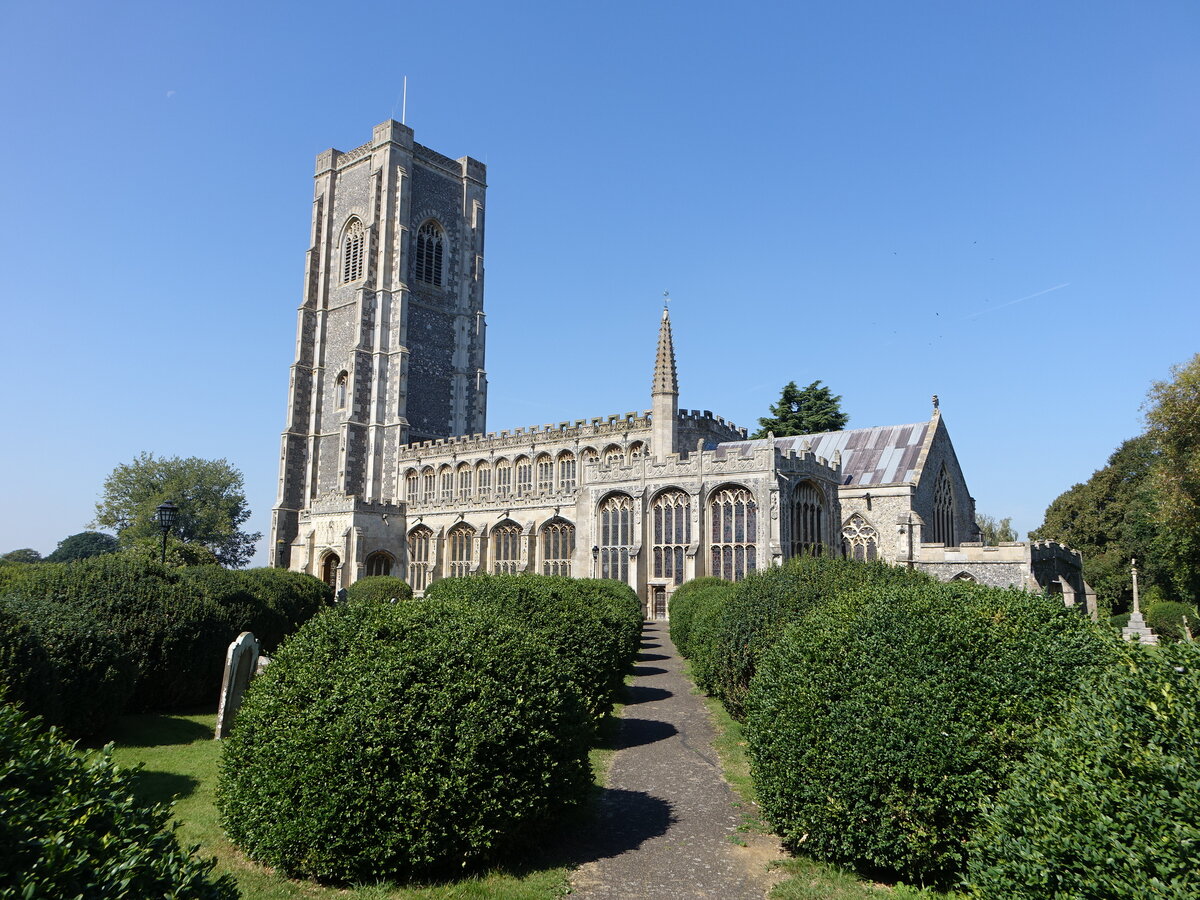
pixel 935 402
pixel 770 435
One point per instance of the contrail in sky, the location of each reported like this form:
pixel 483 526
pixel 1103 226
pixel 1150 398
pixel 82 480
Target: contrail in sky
pixel 1020 300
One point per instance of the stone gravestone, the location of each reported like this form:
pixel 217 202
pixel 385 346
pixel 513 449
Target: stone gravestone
pixel 241 663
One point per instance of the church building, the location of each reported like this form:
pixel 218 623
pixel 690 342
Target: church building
pixel 386 467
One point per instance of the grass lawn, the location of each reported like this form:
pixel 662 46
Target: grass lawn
pixel 180 760
pixel 807 879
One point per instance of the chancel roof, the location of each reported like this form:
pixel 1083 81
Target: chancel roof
pixel 885 454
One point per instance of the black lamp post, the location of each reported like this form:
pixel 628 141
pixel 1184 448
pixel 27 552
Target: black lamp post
pixel 166 515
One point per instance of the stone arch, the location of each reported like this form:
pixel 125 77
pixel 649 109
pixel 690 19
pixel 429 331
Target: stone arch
pixel 637 450
pixel 331 565
pixel 379 563
pixel 613 455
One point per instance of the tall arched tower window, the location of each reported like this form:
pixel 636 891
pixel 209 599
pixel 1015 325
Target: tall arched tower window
pixel 354 238
pixel 943 510
pixel 671 518
pixel 616 536
pixel 430 241
pixel 860 540
pixel 340 390
pixel 558 546
pixel 419 540
pixel 808 513
pixel 733 515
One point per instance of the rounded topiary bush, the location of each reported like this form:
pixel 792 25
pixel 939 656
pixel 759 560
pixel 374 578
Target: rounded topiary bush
pixel 292 597
pixel 1171 620
pixel 619 607
pixel 401 740
pixel 72 827
pixel 684 604
pixel 879 722
pixel 1108 803
pixel 576 633
pixel 380 588
pixel 763 604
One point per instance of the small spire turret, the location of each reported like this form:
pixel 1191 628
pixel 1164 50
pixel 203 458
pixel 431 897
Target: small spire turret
pixel 664 394
pixel 665 381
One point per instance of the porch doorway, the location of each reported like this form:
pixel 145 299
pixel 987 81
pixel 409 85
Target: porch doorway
pixel 656 604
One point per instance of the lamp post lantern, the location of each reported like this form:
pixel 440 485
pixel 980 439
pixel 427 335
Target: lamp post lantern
pixel 166 515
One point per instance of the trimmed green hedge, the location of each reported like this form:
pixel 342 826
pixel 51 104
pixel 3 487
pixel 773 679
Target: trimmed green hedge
pixel 880 722
pixel 98 619
pixel 1108 803
pixel 402 740
pixel 1167 620
pixel 381 588
pixel 72 827
pixel 585 628
pixel 763 604
pixel 687 600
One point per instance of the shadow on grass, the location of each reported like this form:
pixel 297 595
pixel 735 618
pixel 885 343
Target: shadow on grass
pixel 163 787
pixel 153 730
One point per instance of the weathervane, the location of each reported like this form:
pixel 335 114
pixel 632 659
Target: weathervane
pixel 666 298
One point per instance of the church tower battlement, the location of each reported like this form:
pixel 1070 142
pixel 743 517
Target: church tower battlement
pixel 390 332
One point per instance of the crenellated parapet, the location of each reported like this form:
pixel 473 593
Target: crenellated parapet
pixel 584 432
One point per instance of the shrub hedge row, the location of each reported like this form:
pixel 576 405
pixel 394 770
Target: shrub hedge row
pixel 72 827
pixel 119 632
pixel 410 740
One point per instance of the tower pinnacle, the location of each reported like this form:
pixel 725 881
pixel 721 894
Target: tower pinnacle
pixel 664 364
pixel 664 395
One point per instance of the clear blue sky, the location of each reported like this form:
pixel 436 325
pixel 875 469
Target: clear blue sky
pixel 996 203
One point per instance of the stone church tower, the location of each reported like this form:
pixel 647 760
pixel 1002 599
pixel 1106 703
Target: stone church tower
pixel 389 341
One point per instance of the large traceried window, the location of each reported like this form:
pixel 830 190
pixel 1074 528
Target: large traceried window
pixel 545 474
pixel 808 514
pixel 566 471
pixel 503 478
pixel 379 563
pixel 671 519
pixel 430 240
pixel 447 478
pixel 483 479
pixel 419 541
pixel 427 484
pixel 616 536
pixel 524 476
pixel 558 547
pixel 860 540
pixel 506 548
pixel 411 485
pixel 354 238
pixel 465 477
pixel 462 550
pixel 733 515
pixel 943 511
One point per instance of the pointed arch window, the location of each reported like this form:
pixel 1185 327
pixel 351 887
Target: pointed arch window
pixel 558 547
pixel 419 541
pixel 616 536
pixel 465 477
pixel 860 540
pixel 354 238
pixel 524 477
pixel 340 390
pixel 545 474
pixel 379 563
pixel 483 479
pixel 566 471
pixel 427 484
pixel 447 479
pixel 503 478
pixel 613 455
pixel 430 242
pixel 462 550
pixel 506 549
pixel 671 517
pixel 943 510
pixel 733 519
pixel 411 486
pixel 808 516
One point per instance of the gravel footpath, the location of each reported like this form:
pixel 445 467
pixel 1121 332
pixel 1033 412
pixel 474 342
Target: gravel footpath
pixel 667 822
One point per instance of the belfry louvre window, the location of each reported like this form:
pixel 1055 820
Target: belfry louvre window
pixel 860 540
pixel 430 240
pixel 672 522
pixel 462 550
pixel 419 540
pixel 616 536
pixel 506 549
pixel 353 251
pixel 808 514
pixel 733 515
pixel 558 546
pixel 943 511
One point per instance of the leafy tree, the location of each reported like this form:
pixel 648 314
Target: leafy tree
pixel 82 546
pixel 209 493
pixel 1173 414
pixel 995 531
pixel 24 555
pixel 1112 518
pixel 811 410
